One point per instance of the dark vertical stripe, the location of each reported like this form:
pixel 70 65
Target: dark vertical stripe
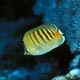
pixel 49 33
pixel 32 39
pixel 36 37
pixel 52 32
pixel 41 36
pixel 45 34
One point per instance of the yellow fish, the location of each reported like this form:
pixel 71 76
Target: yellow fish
pixel 42 39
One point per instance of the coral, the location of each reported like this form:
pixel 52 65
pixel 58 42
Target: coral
pixel 72 75
pixel 16 17
pixel 40 72
pixel 66 15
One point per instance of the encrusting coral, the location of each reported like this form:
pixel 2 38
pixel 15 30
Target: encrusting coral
pixel 66 15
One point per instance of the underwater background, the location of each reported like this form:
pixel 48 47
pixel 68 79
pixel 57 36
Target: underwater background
pixel 17 17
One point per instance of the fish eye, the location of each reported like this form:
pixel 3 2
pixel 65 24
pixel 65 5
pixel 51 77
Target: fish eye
pixel 60 32
pixel 26 50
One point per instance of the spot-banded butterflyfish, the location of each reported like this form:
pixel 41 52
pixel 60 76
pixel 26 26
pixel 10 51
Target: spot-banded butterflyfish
pixel 42 39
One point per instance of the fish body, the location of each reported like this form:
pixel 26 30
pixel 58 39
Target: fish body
pixel 42 39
